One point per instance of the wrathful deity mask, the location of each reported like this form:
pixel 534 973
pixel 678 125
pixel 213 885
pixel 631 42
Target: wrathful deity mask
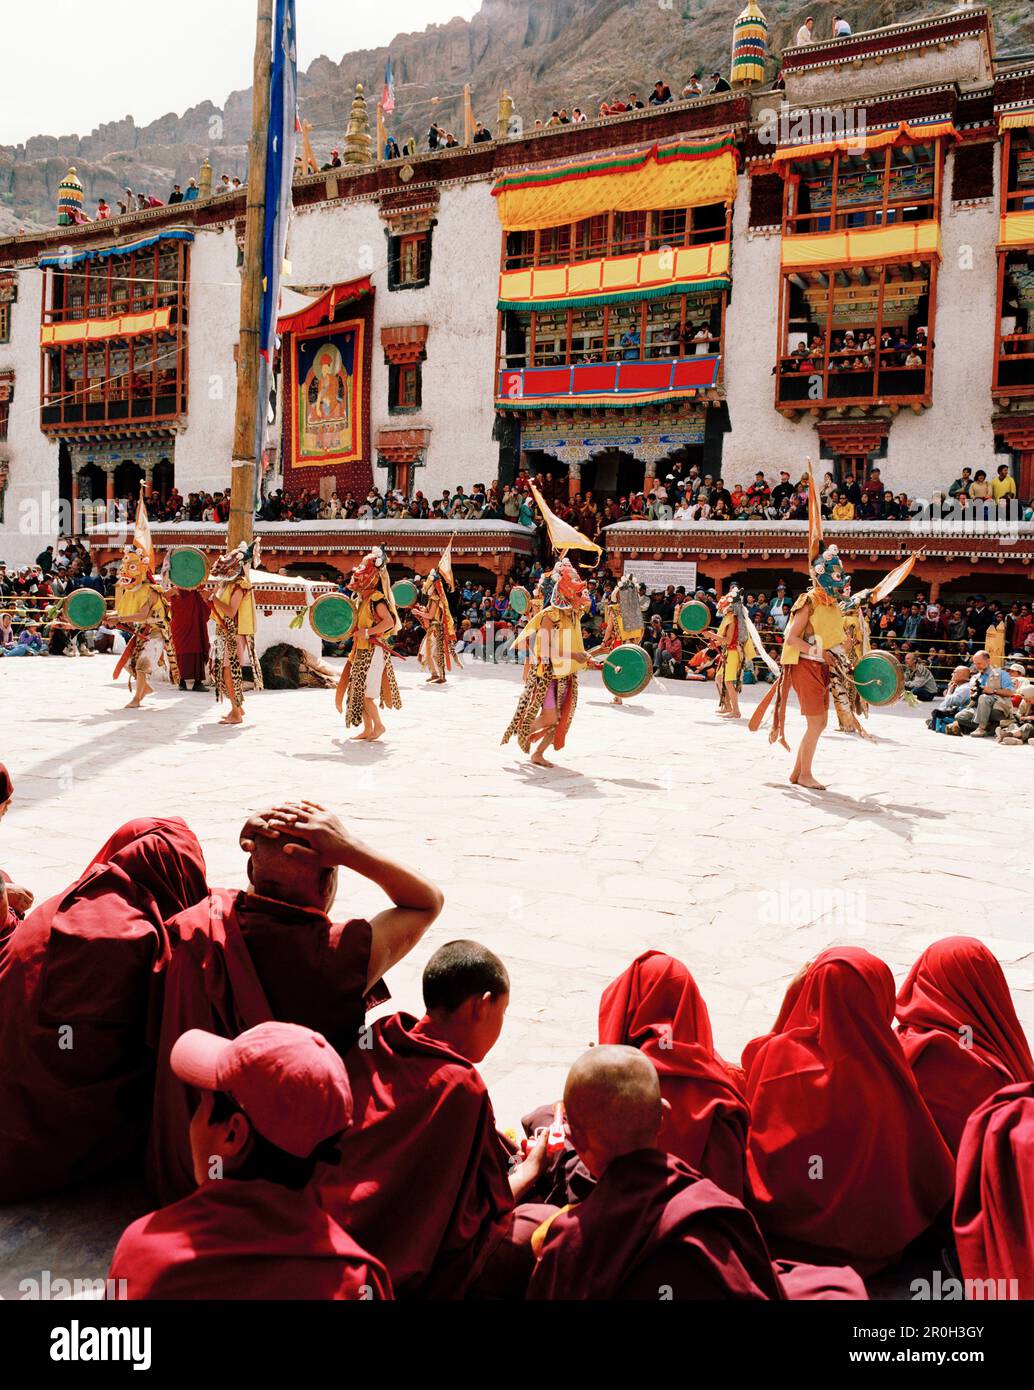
pixel 369 574
pixel 570 589
pixel 829 572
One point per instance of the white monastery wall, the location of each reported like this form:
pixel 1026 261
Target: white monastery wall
pixel 32 518
pixel 329 245
pixel 202 460
pixel 760 436
pixel 926 452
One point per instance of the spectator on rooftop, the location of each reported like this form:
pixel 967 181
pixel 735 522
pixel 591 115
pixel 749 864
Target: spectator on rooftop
pixel 719 84
pixel 841 28
pixel 806 33
pixel 661 93
pixel 191 191
pixel 176 196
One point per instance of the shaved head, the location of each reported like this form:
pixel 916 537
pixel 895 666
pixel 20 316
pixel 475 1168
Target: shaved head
pixel 613 1104
pixel 293 877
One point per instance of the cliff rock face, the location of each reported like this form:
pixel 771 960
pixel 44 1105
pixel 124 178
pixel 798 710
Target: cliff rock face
pixel 546 53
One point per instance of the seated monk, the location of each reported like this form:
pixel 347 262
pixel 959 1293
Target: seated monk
pixel 655 1005
pixel 77 979
pixel 243 958
pixel 15 901
pixel 423 1181
pixel 651 1228
pixel 272 1103
pixel 844 1161
pixel 958 1027
pixel 994 1192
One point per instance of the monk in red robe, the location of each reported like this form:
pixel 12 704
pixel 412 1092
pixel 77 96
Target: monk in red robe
pixel 273 1101
pixel 655 1005
pixel 958 1027
pixel 243 958
pixel 77 978
pixel 844 1161
pixel 994 1192
pixel 189 612
pixel 423 1178
pixel 15 901
pixel 651 1228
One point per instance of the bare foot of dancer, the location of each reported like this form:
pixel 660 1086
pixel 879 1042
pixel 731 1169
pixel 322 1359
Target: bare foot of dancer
pixel 233 718
pixel 537 760
pixel 807 782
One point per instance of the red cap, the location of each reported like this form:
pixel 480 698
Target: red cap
pixel 288 1080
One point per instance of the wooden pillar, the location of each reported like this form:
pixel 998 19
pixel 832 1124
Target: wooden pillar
pixel 109 484
pixel 75 501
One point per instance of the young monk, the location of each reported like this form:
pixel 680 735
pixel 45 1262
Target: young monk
pixel 655 1005
pixel 423 1179
pixel 76 980
pixel 651 1228
pixel 959 1030
pixel 272 952
pixel 844 1161
pixel 994 1192
pixel 272 1103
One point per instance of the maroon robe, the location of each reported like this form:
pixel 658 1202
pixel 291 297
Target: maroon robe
pixel 76 982
pixel 422 1181
pixel 189 612
pixel 239 960
pixel 232 1239
pixel 653 1228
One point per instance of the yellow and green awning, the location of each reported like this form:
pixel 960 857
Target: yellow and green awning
pixel 1020 118
pixel 862 245
pixel 617 279
pixel 96 330
pixel 680 174
pixel 861 141
pixel 1017 229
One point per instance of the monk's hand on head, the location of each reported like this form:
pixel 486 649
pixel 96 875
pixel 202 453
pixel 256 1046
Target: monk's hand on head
pixel 261 825
pixel 322 833
pixel 20 899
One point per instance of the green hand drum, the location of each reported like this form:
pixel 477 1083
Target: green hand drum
pixel 693 617
pixel 188 567
pixel 627 670
pixel 405 593
pixel 520 600
pixel 879 678
pixel 85 608
pixel 332 616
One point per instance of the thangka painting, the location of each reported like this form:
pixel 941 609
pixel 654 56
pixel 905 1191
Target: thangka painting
pixel 327 395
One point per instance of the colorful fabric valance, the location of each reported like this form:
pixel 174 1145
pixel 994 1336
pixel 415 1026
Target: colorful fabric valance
pixel 904 133
pixel 322 310
pixel 96 330
pixel 1020 119
pixel 1017 229
pixel 862 246
pixel 66 259
pixel 645 275
pixel 607 384
pixel 682 174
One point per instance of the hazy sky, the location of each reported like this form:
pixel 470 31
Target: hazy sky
pixel 71 64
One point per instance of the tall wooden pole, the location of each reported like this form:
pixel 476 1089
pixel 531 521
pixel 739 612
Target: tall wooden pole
pixel 241 525
pixel 380 133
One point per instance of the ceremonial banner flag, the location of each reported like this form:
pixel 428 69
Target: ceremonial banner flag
pixel 814 517
pixel 280 146
pixel 388 92
pixel 142 530
pixel 562 535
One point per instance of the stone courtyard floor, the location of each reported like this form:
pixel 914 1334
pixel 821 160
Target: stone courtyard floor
pixel 667 828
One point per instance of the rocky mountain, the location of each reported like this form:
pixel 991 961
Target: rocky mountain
pixel 546 53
